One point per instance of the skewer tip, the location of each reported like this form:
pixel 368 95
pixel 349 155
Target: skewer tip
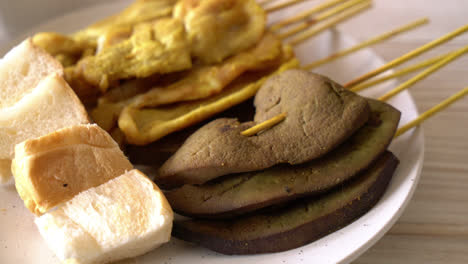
pixel 264 125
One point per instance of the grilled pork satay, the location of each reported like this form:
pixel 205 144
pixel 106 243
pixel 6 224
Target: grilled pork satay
pixel 218 29
pixel 140 41
pixel 159 47
pixel 200 82
pixel 69 49
pixel 207 80
pixel 138 12
pixel 146 125
pixel 113 36
pixel 64 48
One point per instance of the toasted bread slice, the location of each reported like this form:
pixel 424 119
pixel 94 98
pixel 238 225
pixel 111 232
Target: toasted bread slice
pixel 22 69
pixel 52 169
pixel 125 217
pixel 50 106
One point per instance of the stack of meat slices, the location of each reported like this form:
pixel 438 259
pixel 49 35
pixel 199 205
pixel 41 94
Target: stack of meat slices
pixel 321 168
pixel 161 66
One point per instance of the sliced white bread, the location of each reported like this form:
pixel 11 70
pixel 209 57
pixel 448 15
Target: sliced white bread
pixel 125 217
pixel 51 105
pixel 22 68
pixel 52 169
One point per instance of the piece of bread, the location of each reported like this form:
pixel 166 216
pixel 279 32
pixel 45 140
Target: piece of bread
pixel 51 105
pixel 125 217
pixel 22 68
pixel 52 169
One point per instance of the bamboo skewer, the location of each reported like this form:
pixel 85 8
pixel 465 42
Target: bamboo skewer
pixel 425 73
pixel 368 43
pixel 266 2
pixel 437 62
pixel 399 73
pixel 444 104
pixel 264 125
pixel 351 12
pixel 407 56
pixel 321 17
pixel 282 5
pixel 306 14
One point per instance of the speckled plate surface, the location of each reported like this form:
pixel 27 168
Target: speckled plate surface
pixel 20 241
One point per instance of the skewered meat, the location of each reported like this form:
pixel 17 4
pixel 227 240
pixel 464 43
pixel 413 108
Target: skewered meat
pixel 159 47
pixel 65 49
pixel 206 81
pixel 113 36
pixel 143 40
pixel 218 29
pixel 200 82
pixel 69 49
pixel 320 115
pixel 241 193
pixel 138 12
pixel 143 126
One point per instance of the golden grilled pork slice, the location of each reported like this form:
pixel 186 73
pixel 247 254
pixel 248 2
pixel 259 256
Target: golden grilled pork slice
pixel 69 49
pixel 138 12
pixel 200 82
pixel 159 47
pixel 143 126
pixel 64 48
pixel 218 29
pixel 205 81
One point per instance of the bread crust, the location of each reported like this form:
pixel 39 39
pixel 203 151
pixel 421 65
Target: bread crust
pixel 24 120
pixel 21 70
pixel 90 134
pixel 52 169
pixel 83 114
pixel 124 217
pixel 45 55
pixel 27 63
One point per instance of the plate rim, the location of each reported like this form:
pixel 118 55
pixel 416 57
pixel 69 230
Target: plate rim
pixel 418 132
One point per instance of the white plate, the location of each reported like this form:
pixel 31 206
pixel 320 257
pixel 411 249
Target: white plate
pixel 20 241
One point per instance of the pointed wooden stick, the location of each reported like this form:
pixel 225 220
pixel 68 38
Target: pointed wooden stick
pixel 305 14
pixel 368 43
pixel 351 12
pixel 444 104
pixel 264 125
pixel 425 73
pixel 282 5
pixel 399 73
pixel 266 2
pixel 321 17
pixel 407 56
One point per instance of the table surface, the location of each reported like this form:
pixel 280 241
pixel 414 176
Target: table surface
pixel 434 227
